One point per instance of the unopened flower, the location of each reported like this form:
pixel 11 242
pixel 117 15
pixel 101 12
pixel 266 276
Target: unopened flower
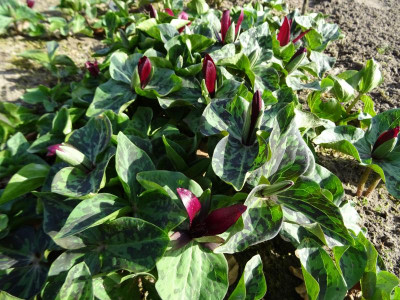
pixel 253 119
pixel 93 68
pixel 209 74
pixel 203 223
pixel 385 143
pixel 71 155
pixel 182 15
pixel 228 31
pixel 284 33
pixel 30 3
pixel 144 70
pixel 296 60
pixel 152 11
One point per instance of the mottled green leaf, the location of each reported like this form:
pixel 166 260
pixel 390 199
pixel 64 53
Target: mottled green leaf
pixel 93 138
pixel 262 221
pixel 78 284
pixel 111 95
pixel 196 273
pixel 24 181
pixel 129 161
pixel 122 66
pixel 252 285
pixel 92 212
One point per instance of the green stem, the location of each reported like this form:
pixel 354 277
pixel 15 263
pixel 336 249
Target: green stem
pixel 373 186
pixel 352 104
pixel 363 180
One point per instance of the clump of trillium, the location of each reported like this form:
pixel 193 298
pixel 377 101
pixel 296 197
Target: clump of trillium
pixel 144 70
pixel 182 15
pixel 253 119
pixel 229 32
pixel 284 33
pixel 209 74
pixel 203 223
pixel 93 68
pixel 383 145
pixel 71 156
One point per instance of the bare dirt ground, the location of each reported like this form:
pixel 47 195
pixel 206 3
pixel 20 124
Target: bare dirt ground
pixel 371 31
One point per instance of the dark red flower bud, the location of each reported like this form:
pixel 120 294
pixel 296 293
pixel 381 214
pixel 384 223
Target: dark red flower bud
pixel 239 22
pixel 299 52
pixel 169 11
pixel 220 220
pixel 190 201
pixel 93 68
pixel 209 74
pixel 257 109
pixel 300 36
pixel 225 23
pixel 152 10
pixel 51 150
pixel 386 136
pixel 30 3
pixel 144 70
pixel 284 32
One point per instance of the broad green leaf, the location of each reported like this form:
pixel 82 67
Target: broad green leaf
pixel 232 161
pixel 252 285
pixel 22 253
pixel 196 273
pixel 115 286
pixel 93 138
pixel 385 284
pixel 129 161
pixel 341 138
pixel 73 182
pixel 112 95
pixel 262 221
pixel 24 181
pixel 369 278
pixel 125 243
pixel 92 212
pixel 160 209
pixel 122 66
pixel 177 161
pixel 78 284
pixel 342 90
pixel 318 264
pixel 371 77
pixel 323 62
pixel 168 182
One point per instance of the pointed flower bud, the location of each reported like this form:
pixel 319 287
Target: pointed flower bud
pixel 209 74
pixel 284 32
pixel 71 155
pixel 152 10
pixel 385 143
pixel 169 11
pixel 183 16
pixel 226 23
pixel 30 3
pixel 93 68
pixel 144 70
pixel 253 119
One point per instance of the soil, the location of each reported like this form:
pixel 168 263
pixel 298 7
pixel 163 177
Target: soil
pixel 371 31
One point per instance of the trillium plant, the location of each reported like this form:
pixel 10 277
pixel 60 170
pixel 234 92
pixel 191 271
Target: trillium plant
pixel 182 143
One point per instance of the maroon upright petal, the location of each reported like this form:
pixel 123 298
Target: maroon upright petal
pixel 144 70
pixel 93 68
pixel 225 23
pixel 300 36
pixel 239 21
pixel 152 10
pixel 386 136
pixel 169 11
pixel 190 201
pixel 284 32
pixel 299 51
pixel 219 220
pixel 209 73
